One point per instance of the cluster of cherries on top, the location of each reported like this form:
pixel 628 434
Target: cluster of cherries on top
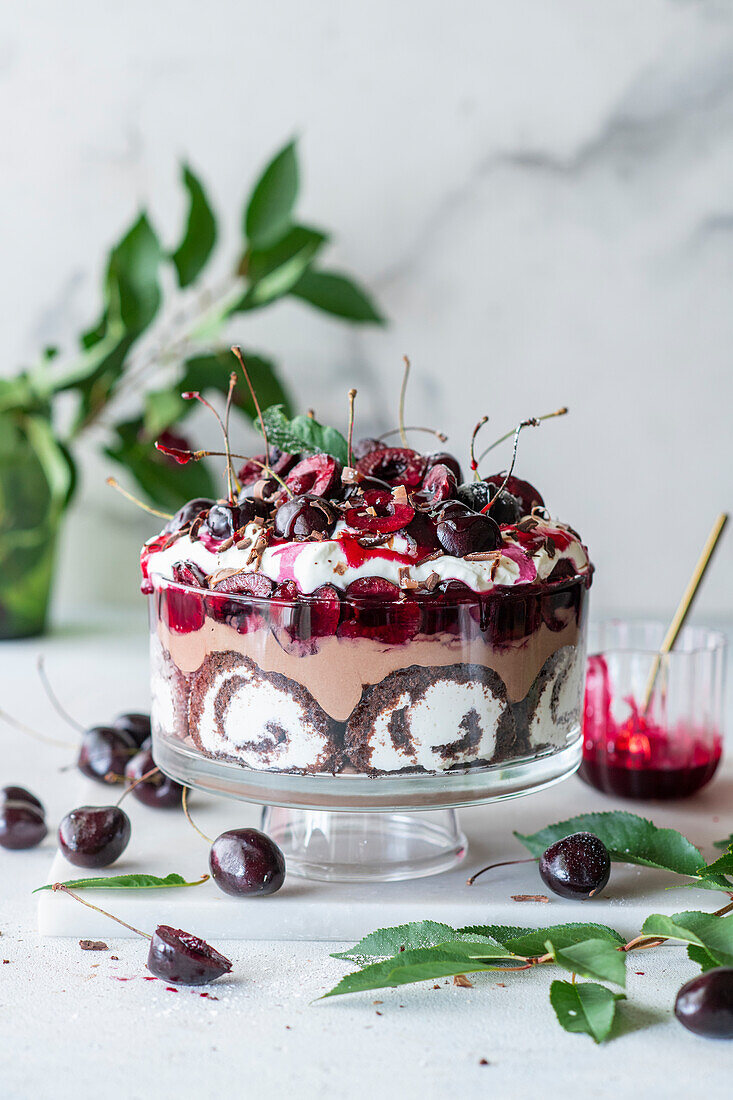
pixel 388 490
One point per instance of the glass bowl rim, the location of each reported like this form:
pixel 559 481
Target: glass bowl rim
pixel 499 593
pixel 718 639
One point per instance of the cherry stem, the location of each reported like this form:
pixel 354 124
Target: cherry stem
pixel 533 422
pixel 230 470
pixel 403 389
pixel 114 484
pixel 194 395
pixel 472 449
pixel 415 428
pixel 196 456
pixel 237 351
pixel 349 453
pixel 547 416
pixel 504 863
pixel 190 820
pixel 18 725
pixel 135 782
pixel 53 698
pixel 60 886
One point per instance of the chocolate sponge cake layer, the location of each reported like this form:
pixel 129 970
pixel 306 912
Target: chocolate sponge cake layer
pixel 169 693
pixel 430 719
pixel 261 720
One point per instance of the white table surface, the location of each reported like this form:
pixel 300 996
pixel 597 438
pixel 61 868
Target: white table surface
pixel 71 1027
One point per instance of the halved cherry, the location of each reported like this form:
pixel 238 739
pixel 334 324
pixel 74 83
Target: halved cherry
pixel 182 612
pixel 187 572
pixel 245 584
pixel 318 475
pixel 366 446
pixel 439 484
pixel 325 611
pixel 395 465
pixel 374 609
pixel 280 461
pixel 444 458
pixel 378 512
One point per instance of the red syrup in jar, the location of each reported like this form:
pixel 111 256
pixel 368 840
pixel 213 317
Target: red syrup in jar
pixel 638 758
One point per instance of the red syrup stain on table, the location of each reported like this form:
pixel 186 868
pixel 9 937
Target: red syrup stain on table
pixel 639 758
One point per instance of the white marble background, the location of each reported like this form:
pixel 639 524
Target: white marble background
pixel 539 193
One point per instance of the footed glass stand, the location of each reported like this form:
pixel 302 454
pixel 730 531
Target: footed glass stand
pixel 359 847
pixel 354 828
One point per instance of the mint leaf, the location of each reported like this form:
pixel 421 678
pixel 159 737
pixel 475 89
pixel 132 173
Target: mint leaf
pixel 303 434
pixel 714 934
pixel 584 1007
pixel 702 957
pixel 421 964
pixel 124 882
pixel 592 959
pixel 338 295
pixel 629 839
pixel 270 207
pixel 199 237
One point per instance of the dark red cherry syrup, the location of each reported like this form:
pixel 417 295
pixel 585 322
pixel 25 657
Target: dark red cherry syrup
pixel 639 758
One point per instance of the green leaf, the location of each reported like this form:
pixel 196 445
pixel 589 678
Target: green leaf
pixel 56 462
pixel 274 271
pixel 714 934
pixel 629 839
pixel 702 957
pixel 164 481
pixel 303 434
pixel 337 294
pixel 270 207
pixel 585 1007
pixel 163 408
pixel 726 843
pixel 124 882
pixel 211 372
pixel 532 942
pixel 592 959
pixel 421 964
pixel 385 942
pixel 133 274
pixel 721 866
pixel 199 237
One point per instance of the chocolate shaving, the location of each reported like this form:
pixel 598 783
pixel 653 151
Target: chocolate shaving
pixel 244 544
pixel 226 544
pixel 431 557
pixel 550 547
pixel 93 945
pixel 340 568
pixel 349 476
pixel 431 581
pixel 196 526
pixel 462 981
pixel 529 897
pixel 404 575
pixel 527 524
pixel 400 494
pixel 482 555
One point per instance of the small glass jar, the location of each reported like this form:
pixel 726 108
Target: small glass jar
pixel 652 725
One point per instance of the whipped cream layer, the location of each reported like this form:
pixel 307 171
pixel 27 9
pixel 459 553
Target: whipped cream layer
pixel 340 560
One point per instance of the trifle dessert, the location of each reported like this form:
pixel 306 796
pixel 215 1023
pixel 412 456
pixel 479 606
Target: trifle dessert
pixel 366 612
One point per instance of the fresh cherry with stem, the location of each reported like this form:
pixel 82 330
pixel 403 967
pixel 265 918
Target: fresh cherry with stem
pixel 149 785
pixel 173 955
pixel 243 862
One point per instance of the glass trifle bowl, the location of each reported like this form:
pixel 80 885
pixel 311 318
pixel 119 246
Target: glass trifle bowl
pixel 379 638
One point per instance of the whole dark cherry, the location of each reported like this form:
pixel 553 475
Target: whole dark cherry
pixel 94 836
pixel 302 516
pixel 137 725
pixel 177 956
pixel 477 494
pixel 523 491
pixel 157 791
pixel 105 752
pixel 246 863
pixel 225 519
pixel 576 867
pixel 465 533
pixel 705 1004
pixel 22 824
pixel 187 514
